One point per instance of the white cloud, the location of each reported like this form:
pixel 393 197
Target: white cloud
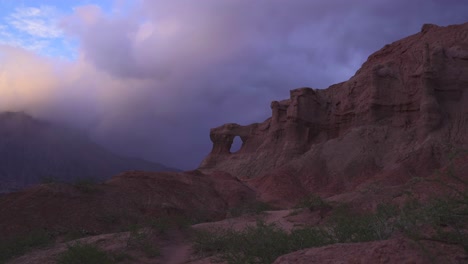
pixel 39 22
pixel 36 29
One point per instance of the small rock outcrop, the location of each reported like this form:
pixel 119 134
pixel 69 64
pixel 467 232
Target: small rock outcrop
pixel 397 116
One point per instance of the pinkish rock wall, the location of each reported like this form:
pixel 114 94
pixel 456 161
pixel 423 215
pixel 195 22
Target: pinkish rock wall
pixel 398 113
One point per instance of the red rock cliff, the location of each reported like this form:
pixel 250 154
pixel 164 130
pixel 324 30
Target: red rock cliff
pixel 396 118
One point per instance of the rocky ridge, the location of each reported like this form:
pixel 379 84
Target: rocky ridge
pixel 395 119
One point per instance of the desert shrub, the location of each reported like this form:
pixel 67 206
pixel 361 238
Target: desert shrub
pixel 445 218
pixel 207 243
pixel 84 253
pixel 449 217
pixel 345 225
pixel 313 202
pixel 261 243
pixel 121 256
pixel 163 224
pixel 140 239
pixel 254 207
pixel 309 237
pixel 20 245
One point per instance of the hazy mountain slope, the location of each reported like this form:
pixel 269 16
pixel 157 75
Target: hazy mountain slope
pixel 32 151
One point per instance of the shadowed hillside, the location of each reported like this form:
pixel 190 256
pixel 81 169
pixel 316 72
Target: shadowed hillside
pixel 34 151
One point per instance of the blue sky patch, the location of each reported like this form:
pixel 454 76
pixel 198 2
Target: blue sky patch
pixel 36 26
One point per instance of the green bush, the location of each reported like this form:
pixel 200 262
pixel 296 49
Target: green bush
pixel 84 253
pixel 163 224
pixel 262 243
pixel 22 244
pixel 446 217
pixel 309 237
pixel 255 207
pixel 348 226
pixel 313 202
pixel 140 239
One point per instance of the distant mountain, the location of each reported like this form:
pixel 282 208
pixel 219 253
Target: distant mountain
pixel 34 151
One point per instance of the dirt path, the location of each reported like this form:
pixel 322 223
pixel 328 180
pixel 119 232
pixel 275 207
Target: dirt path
pixel 178 250
pixel 240 223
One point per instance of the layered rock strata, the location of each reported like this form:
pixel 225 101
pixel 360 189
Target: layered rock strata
pixel 398 116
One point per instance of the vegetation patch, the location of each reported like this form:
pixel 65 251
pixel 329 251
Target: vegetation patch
pixel 445 218
pixel 255 207
pixel 313 202
pixel 84 253
pixel 21 245
pixel 141 239
pixel 263 243
pixel 347 226
pixel 162 225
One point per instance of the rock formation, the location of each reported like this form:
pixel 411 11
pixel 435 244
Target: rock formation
pixel 398 116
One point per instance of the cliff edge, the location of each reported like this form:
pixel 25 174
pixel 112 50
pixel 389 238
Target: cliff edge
pixel 398 117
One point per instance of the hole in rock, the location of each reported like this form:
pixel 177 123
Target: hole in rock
pixel 236 144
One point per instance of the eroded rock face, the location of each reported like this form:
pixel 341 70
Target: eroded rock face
pixel 398 113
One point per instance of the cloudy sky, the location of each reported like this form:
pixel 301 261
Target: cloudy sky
pixel 149 78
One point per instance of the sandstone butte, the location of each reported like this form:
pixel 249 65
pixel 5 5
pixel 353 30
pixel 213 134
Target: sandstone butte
pixel 399 118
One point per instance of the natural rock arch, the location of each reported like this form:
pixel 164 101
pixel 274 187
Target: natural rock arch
pixel 236 144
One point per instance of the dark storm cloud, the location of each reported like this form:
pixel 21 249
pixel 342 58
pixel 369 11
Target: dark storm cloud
pixel 165 72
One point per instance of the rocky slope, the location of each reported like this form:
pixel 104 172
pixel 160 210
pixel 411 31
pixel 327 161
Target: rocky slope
pixel 399 250
pixel 396 118
pixel 131 198
pixel 33 151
